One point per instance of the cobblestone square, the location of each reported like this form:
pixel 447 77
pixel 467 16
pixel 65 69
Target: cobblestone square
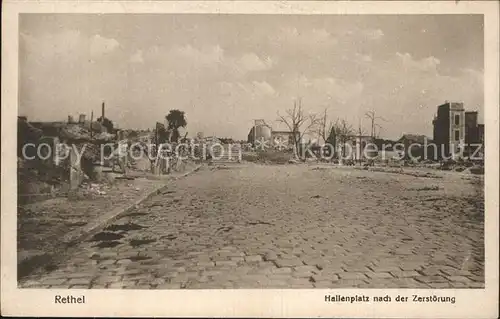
pixel 289 226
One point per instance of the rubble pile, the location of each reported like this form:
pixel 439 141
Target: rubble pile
pixel 92 189
pixel 75 132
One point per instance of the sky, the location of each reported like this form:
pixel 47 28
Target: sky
pixel 224 71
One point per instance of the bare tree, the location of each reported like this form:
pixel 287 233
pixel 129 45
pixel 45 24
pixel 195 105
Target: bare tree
pixel 372 116
pixel 298 123
pixel 377 133
pixel 341 131
pixel 324 128
pixel 361 132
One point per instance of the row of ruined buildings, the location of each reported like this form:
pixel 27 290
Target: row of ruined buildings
pixel 43 164
pixel 262 134
pixel 455 131
pixel 457 134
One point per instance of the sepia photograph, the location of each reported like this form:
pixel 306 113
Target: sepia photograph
pixel 232 151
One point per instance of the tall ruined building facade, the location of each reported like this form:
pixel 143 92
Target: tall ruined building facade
pixel 471 133
pixel 453 127
pixel 449 127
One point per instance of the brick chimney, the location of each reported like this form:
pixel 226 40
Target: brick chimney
pixel 103 107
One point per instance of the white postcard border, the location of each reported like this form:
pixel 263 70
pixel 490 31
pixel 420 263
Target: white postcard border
pixel 470 303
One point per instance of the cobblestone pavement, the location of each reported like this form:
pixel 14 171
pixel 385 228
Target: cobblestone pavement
pixel 290 226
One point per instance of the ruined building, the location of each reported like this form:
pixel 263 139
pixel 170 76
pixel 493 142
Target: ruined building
pixel 474 132
pixel 455 128
pixel 259 132
pixel 263 134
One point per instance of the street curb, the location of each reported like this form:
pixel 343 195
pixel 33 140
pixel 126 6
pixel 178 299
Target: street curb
pixel 71 239
pixel 75 237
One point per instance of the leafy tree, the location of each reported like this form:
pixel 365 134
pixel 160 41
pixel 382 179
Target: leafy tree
pixel 162 134
pixel 175 119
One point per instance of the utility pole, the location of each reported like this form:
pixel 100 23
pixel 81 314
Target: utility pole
pixel 323 133
pixel 91 121
pixel 371 116
pixel 377 133
pixel 358 142
pixel 254 132
pixel 156 135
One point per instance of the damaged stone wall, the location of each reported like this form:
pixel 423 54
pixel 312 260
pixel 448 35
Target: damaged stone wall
pixel 47 173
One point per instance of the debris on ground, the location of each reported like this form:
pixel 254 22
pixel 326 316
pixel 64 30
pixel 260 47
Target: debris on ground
pixel 477 170
pixel 94 188
pixel 428 188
